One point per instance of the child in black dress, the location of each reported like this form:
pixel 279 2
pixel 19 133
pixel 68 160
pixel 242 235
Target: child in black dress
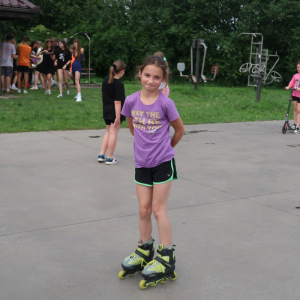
pixel 48 65
pixel 63 61
pixel 113 97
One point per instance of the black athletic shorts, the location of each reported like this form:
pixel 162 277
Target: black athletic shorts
pixel 296 99
pixel 109 122
pixel 157 175
pixel 23 69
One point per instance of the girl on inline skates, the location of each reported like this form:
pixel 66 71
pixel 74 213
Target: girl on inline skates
pixel 149 113
pixel 295 83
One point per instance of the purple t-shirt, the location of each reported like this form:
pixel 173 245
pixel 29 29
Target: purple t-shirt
pixel 152 142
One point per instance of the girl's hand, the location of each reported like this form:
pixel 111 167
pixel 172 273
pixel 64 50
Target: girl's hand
pixel 55 63
pixel 117 122
pixel 287 88
pixel 64 67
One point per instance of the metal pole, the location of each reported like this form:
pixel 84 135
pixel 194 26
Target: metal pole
pixel 197 67
pixel 259 79
pixel 89 58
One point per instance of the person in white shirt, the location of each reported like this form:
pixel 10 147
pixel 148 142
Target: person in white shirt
pixel 8 53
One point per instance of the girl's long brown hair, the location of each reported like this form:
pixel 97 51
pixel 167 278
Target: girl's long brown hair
pixel 116 68
pixel 46 46
pixel 77 52
pixel 66 50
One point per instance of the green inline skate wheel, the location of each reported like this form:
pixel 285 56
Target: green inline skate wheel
pixel 174 278
pixel 142 285
pixel 121 274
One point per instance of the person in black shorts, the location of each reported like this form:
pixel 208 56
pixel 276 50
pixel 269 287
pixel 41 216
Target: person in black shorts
pixel 63 61
pixel 113 97
pixel 15 72
pixel 56 48
pixel 47 68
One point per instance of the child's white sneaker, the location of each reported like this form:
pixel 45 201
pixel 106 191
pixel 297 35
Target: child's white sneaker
pixel 59 96
pixel 25 92
pixel 79 99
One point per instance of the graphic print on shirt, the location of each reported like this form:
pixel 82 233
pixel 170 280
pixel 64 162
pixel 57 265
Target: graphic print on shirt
pixel 61 57
pixel 297 83
pixel 148 121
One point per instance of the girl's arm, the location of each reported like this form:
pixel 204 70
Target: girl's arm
pixel 129 122
pixel 67 63
pixel 118 113
pixel 179 131
pixel 82 50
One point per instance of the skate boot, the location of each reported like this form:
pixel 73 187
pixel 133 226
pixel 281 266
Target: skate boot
pixel 161 268
pixel 137 260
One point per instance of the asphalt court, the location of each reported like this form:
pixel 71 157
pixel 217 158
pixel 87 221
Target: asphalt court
pixel 67 221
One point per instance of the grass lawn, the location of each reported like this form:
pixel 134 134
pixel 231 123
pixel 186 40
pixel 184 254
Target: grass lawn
pixel 210 104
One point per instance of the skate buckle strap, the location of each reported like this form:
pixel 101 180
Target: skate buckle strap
pixel 139 253
pixel 163 262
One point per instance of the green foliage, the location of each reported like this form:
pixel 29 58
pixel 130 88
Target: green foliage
pixel 39 112
pixel 131 29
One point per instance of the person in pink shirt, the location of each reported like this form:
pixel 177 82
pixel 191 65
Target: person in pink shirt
pixel 295 83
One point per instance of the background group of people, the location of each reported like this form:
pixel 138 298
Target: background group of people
pixel 50 60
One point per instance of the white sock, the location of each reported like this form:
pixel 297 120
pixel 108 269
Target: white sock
pixel 13 85
pixel 7 90
pixel 79 94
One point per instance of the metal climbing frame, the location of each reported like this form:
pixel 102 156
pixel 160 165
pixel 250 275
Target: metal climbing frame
pixel 85 33
pixel 198 44
pixel 258 63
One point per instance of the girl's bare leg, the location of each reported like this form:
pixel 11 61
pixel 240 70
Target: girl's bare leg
pixel 25 81
pixel 66 75
pixel 295 111
pixel 60 78
pixel 159 206
pixel 42 79
pixel 104 144
pixel 298 114
pixel 144 194
pixel 15 77
pixel 36 78
pixel 45 82
pixel 49 81
pixel 19 80
pixel 112 140
pixel 77 78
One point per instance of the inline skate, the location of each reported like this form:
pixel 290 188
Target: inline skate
pixel 137 260
pixel 161 268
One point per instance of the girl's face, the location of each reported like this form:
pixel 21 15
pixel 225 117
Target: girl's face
pixel 49 44
pixel 151 78
pixel 71 50
pixel 61 45
pixel 75 45
pixel 34 46
pixel 298 68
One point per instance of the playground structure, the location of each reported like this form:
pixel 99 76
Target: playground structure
pixel 198 44
pixel 84 33
pixel 257 67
